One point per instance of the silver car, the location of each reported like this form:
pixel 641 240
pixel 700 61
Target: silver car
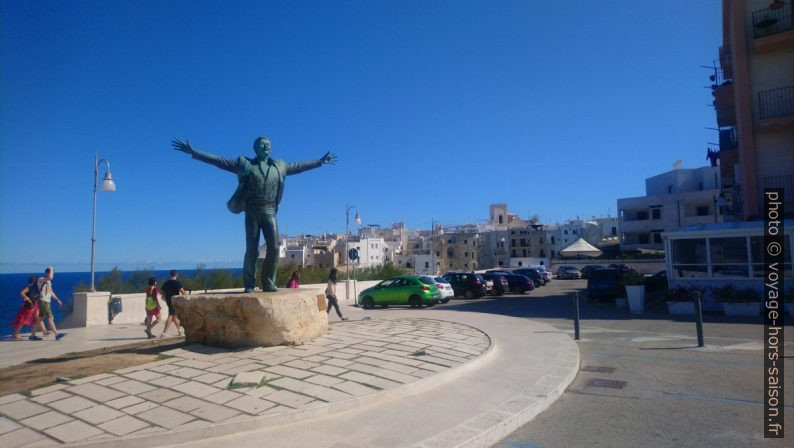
pixel 564 272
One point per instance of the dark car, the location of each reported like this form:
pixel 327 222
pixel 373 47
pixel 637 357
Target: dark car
pixel 519 284
pixel 466 284
pixel 588 269
pixel 500 285
pixel 623 268
pixel 533 274
pixel 602 283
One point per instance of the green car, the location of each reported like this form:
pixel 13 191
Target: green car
pixel 411 290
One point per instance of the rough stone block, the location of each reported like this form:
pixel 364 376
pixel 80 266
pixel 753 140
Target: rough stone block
pixel 286 317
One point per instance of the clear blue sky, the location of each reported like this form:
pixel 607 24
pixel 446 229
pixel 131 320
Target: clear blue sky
pixel 435 109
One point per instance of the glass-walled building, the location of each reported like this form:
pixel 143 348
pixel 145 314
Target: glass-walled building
pixel 713 255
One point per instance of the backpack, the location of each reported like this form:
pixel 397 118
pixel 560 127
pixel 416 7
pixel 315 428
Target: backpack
pixel 33 291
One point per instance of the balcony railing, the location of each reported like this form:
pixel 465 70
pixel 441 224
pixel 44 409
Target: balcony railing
pixel 776 102
pixel 767 22
pixel 784 182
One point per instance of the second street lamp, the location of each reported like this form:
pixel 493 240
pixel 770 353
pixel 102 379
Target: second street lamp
pixel 108 185
pixel 357 221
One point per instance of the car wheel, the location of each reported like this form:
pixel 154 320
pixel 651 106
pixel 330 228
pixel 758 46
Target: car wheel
pixel 415 301
pixel 430 304
pixel 445 301
pixel 468 295
pixel 384 306
pixel 368 303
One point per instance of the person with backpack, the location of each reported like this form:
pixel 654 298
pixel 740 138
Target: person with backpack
pixel 152 307
pixel 29 311
pixel 44 287
pixel 330 294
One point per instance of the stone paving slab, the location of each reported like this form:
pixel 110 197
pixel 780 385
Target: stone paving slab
pixel 198 388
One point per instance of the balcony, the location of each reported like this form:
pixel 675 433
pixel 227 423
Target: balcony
pixel 776 107
pixel 769 21
pixel 728 139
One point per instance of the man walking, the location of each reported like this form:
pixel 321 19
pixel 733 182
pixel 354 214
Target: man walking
pixel 44 285
pixel 172 287
pixel 261 185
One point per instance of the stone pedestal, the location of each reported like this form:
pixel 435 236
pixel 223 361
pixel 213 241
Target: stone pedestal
pixel 265 319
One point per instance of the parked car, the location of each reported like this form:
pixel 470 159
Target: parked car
pixel 444 288
pixel 602 283
pixel 519 284
pixel 413 290
pixel 533 274
pixel 589 268
pixel 568 272
pixel 622 267
pixel 466 284
pixel 543 271
pixel 500 285
pixel 656 282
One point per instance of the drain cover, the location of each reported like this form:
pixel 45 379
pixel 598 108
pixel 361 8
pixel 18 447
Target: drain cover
pixel 611 384
pixel 598 369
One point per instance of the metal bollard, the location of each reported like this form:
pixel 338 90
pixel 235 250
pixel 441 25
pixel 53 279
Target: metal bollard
pixel 699 319
pixel 575 297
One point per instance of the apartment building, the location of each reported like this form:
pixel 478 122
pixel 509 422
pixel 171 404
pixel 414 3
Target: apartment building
pixel 677 198
pixel 753 88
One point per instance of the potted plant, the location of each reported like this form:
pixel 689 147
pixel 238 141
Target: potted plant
pixel 635 291
pixel 735 302
pixel 681 299
pixel 619 293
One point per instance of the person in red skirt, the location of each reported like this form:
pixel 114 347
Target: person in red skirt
pixel 28 312
pixel 152 307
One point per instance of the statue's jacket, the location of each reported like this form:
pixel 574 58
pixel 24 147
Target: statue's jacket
pixel 276 171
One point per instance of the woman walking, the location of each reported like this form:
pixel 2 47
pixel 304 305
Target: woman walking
pixel 293 281
pixel 152 307
pixel 330 294
pixel 28 312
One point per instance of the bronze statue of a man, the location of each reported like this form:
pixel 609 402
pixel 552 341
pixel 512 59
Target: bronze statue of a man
pixel 261 184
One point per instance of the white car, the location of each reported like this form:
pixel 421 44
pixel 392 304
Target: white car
pixel 444 288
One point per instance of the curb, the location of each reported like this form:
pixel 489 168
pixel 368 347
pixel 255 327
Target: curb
pixel 488 428
pixel 252 423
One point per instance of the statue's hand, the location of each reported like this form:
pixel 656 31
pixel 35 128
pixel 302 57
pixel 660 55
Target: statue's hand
pixel 185 146
pixel 329 158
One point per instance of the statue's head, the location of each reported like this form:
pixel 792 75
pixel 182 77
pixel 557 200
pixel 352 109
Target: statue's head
pixel 262 147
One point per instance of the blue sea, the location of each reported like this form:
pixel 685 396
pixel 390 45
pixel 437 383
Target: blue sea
pixel 62 284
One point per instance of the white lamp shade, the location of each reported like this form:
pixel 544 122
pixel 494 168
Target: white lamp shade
pixel 108 184
pixel 357 220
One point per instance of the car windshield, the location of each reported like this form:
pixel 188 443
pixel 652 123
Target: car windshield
pixel 427 280
pixel 479 277
pixel 568 268
pixel 441 280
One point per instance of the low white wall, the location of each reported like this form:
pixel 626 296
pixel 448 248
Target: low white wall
pixel 91 308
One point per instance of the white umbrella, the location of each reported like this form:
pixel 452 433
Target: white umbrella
pixel 580 247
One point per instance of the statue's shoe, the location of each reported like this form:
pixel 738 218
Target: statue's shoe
pixel 269 288
pixel 247 290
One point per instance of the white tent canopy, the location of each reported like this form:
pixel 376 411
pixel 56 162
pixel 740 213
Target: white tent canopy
pixel 580 247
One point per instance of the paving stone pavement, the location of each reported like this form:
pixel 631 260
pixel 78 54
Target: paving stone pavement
pixel 193 387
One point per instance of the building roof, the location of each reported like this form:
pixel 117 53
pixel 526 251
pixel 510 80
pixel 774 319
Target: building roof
pixel 724 229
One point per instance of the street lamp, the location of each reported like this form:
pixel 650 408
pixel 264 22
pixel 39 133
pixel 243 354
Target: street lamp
pixel 357 221
pixel 433 241
pixel 109 186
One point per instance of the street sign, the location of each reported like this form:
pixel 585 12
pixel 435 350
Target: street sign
pixel 353 254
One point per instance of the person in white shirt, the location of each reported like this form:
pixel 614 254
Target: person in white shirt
pixel 47 294
pixel 330 294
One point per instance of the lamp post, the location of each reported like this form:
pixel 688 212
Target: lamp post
pixel 109 186
pixel 502 240
pixel 357 221
pixel 477 249
pixel 433 223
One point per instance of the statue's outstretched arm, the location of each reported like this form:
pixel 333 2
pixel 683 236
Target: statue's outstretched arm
pixel 212 159
pixel 299 167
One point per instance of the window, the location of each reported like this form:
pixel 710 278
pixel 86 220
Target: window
pixel 657 238
pixel 552 240
pixel 514 253
pixel 524 253
pixel 643 238
pixel 450 253
pixel 465 241
pixel 689 257
pixel 513 242
pixel 614 231
pixel 542 254
pixel 520 263
pixel 552 253
pixel 757 256
pixel 501 219
pixel 541 240
pixel 465 255
pixel 656 213
pixel 642 216
pixel 427 264
pixel 566 231
pixel 523 242
pixel 702 210
pixel 669 189
pixel 573 231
